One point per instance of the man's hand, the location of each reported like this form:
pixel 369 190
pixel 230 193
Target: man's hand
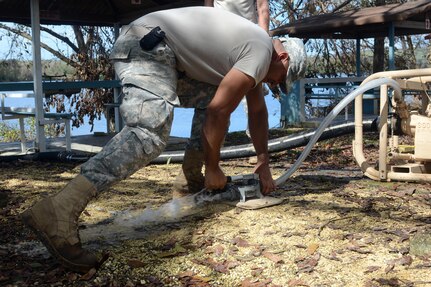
pixel 267 184
pixel 215 178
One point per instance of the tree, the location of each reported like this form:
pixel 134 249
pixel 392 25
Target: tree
pixel 335 57
pixel 379 48
pixel 89 59
pixel 329 57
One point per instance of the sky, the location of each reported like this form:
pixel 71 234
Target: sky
pixel 5 42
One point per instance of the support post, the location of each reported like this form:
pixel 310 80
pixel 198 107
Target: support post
pixel 391 47
pixel 40 142
pixel 383 132
pixel 302 116
pixel 117 92
pixel 291 106
pixel 358 57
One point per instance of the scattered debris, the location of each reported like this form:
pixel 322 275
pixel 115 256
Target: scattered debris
pixel 338 228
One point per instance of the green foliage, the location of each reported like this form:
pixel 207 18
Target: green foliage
pixel 10 131
pixel 14 70
pixel 20 70
pixel 55 70
pixel 333 57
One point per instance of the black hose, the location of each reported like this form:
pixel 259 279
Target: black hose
pixel 51 156
pixel 275 145
pixel 246 150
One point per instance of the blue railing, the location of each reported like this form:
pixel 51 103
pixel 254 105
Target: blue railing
pixel 321 90
pixel 59 85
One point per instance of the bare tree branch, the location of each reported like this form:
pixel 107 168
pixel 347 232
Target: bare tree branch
pixel 42 45
pixel 79 37
pixel 62 38
pixel 341 6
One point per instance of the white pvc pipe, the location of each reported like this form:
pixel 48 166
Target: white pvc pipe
pixel 383 132
pixel 329 118
pixel 358 146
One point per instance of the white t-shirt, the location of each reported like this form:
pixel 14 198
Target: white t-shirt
pixel 209 42
pixel 243 8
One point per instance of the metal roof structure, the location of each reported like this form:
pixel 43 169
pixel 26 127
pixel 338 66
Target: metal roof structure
pixel 413 17
pixel 86 12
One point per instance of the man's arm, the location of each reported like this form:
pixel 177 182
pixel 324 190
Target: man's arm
pixel 228 95
pixel 258 123
pixel 262 14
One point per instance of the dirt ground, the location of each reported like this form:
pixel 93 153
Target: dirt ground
pixel 335 227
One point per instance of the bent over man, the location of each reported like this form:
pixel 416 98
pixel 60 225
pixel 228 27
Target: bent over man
pixel 190 178
pixel 202 47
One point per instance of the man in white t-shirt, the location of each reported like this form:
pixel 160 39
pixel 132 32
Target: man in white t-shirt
pixel 195 45
pixel 257 11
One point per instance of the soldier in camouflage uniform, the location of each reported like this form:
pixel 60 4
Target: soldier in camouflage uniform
pixel 190 178
pixel 183 69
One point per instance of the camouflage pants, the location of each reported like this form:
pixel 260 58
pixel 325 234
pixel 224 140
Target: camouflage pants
pixel 149 80
pixel 195 94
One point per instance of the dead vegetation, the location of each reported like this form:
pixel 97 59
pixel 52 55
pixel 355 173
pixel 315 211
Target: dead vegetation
pixel 335 228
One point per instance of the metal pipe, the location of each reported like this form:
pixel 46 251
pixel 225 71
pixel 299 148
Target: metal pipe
pixel 420 177
pixel 383 131
pixel 338 108
pixel 274 145
pixel 402 156
pixel 37 75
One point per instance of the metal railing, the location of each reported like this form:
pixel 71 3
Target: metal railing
pixel 313 98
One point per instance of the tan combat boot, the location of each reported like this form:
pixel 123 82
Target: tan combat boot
pixel 190 180
pixel 55 222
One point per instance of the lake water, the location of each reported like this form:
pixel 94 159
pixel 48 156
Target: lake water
pixel 182 118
